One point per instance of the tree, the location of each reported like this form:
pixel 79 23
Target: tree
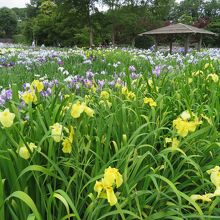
pixel 44 23
pixel 112 4
pixel 8 22
pixel 33 8
pixel 161 8
pixel 20 13
pixel 214 26
pixel 212 9
pixel 87 9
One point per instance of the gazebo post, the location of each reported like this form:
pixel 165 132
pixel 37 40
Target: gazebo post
pixel 200 42
pixel 187 44
pixel 155 43
pixel 171 44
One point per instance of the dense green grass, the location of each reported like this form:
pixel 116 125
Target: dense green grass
pixel 129 135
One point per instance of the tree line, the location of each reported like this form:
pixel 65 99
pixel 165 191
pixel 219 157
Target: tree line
pixel 83 23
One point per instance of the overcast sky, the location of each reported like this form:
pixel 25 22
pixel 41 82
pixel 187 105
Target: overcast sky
pixel 13 3
pixel 20 3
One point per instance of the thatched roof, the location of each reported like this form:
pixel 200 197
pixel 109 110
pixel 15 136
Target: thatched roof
pixel 177 29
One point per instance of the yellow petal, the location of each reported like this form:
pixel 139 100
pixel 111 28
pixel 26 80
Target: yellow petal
pixel 175 143
pixel 98 187
pixel 71 134
pixel 195 197
pixel 56 132
pixel 109 178
pixel 112 199
pixel 32 146
pixel 104 95
pixel 77 109
pixel 185 115
pixel 217 191
pixel 67 146
pixel 89 111
pixel 38 85
pixel 168 140
pixel 24 153
pixel 118 180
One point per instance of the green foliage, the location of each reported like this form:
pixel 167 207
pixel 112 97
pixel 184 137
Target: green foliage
pixel 20 13
pixel 144 42
pixel 19 39
pixel 82 37
pixel 8 22
pixel 43 29
pixel 214 26
pixel 186 19
pixel 48 7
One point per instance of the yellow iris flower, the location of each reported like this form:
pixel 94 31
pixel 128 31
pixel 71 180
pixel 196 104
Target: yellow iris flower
pixel 7 118
pixel 174 142
pixel 205 198
pixel 150 102
pixel 57 132
pixel 213 76
pixel 112 176
pixel 131 96
pixel 105 189
pixel 67 142
pixel 90 112
pixel 38 85
pixel 29 97
pixel 124 90
pixel 24 152
pixel 67 146
pixel 104 95
pixel 215 178
pixel 184 127
pixel 197 73
pixel 77 109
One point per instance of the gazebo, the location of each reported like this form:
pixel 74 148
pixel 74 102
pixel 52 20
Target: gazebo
pixel 183 30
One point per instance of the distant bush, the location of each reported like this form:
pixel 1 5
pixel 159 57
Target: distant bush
pixel 143 42
pixel 19 39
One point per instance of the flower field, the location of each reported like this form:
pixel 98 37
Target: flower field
pixel 109 134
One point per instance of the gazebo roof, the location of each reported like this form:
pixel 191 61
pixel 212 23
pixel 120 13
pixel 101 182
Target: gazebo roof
pixel 177 29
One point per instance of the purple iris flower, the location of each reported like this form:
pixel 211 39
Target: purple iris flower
pixel 60 62
pixel 89 74
pixel 101 83
pixel 26 86
pixel 7 94
pixel 157 70
pixel 132 68
pixel 88 83
pixel 134 75
pixel 11 63
pixel 2 101
pixel 111 83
